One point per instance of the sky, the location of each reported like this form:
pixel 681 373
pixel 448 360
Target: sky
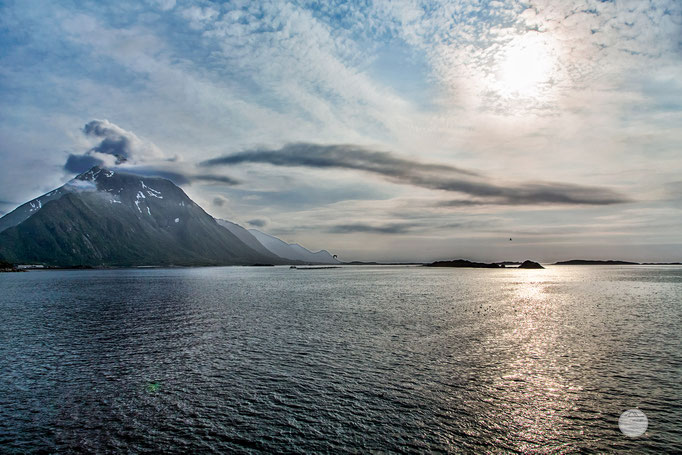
pixel 377 130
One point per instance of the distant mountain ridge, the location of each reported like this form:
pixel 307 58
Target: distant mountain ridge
pixel 107 218
pixel 261 241
pixel 292 251
pixel 593 262
pixel 244 235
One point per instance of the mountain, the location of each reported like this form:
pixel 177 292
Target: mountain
pixel 24 211
pixel 111 218
pixel 292 251
pixel 245 236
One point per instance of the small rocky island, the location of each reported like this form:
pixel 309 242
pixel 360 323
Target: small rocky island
pixel 463 263
pixel 592 262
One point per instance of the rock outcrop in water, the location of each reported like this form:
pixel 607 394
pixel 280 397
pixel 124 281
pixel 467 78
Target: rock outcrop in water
pixel 464 264
pixel 590 262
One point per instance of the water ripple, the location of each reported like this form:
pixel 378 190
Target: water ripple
pixel 356 359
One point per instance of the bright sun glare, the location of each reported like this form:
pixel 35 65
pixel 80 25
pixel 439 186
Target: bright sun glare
pixel 526 66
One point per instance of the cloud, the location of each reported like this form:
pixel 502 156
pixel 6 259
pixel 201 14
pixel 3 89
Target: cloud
pixel 114 146
pixel 198 16
pixel 673 191
pixel 81 163
pixel 115 140
pixel 175 173
pixel 219 201
pixel 269 72
pixel 5 204
pixel 536 193
pixel 164 5
pixel 123 150
pixel 581 46
pixel 119 143
pixel 179 178
pixel 335 156
pixel 212 178
pixel 425 175
pixel 397 228
pixel 463 203
pixel 257 222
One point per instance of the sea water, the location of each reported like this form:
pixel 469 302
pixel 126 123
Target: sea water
pixel 352 359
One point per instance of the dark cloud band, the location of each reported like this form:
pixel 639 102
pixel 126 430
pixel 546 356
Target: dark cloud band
pixel 398 228
pixel 257 223
pixel 179 177
pixel 425 175
pixel 212 178
pixel 335 156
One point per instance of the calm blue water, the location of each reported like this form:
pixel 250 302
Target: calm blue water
pixel 357 359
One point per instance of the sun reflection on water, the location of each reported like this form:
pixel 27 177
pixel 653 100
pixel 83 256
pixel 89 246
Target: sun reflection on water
pixel 536 395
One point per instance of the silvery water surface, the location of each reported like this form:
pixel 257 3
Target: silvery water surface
pixel 355 359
